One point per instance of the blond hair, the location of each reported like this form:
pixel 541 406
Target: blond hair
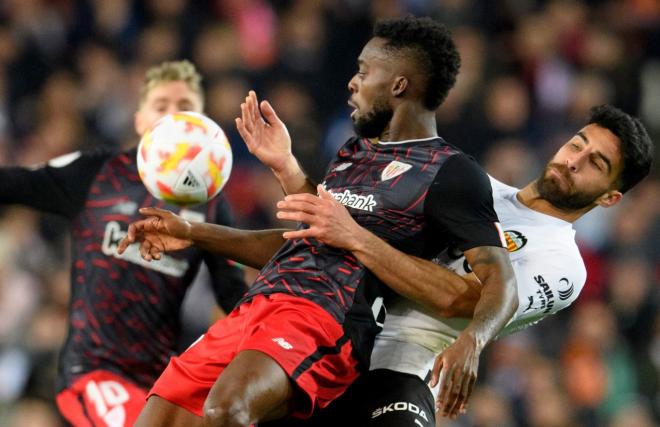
pixel 172 71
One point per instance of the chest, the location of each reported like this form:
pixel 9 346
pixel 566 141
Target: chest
pixel 384 188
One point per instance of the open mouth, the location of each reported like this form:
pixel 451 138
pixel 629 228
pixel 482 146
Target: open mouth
pixel 352 105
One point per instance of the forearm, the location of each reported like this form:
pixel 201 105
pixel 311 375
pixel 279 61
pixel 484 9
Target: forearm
pixel 249 247
pixel 443 291
pixel 293 179
pixel 498 301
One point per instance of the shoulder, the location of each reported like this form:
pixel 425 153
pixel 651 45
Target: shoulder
pixel 501 189
pixel 460 175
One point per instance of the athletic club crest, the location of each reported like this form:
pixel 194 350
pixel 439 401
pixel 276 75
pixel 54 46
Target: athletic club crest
pixel 394 169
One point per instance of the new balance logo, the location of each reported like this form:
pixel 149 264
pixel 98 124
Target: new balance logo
pixel 283 343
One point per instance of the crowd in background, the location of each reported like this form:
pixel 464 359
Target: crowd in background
pixel 69 77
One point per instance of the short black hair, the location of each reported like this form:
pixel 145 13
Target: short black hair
pixel 433 48
pixel 636 145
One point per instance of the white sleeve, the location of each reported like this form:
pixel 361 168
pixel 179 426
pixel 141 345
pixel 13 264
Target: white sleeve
pixel 547 282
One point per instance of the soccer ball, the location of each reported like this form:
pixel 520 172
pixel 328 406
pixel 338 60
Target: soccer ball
pixel 185 159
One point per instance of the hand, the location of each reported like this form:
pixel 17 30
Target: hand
pixel 267 139
pixel 455 370
pixel 162 231
pixel 328 220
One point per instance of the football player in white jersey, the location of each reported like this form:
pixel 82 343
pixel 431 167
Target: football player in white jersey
pixel 606 158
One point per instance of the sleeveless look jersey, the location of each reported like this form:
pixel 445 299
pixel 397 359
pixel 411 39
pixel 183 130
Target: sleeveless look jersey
pixel 124 311
pixel 420 196
pixel 549 273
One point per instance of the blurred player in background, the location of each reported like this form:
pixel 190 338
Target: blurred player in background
pixel 296 341
pixel 124 314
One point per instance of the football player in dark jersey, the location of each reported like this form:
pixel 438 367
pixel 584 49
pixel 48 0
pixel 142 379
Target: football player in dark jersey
pixel 304 330
pixel 124 313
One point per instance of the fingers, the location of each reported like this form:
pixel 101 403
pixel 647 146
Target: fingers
pixel 456 396
pixel 435 373
pixel 149 211
pixel 245 135
pixel 302 197
pixel 127 240
pixel 246 116
pixel 297 205
pixel 269 113
pixel 323 194
pixel 145 248
pixel 296 216
pixel 445 385
pixel 305 233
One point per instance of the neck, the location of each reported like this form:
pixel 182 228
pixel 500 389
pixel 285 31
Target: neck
pixel 410 122
pixel 530 197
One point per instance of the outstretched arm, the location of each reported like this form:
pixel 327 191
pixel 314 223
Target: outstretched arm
pixel 164 231
pixel 266 136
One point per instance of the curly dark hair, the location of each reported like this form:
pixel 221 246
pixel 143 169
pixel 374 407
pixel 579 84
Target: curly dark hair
pixel 431 46
pixel 636 145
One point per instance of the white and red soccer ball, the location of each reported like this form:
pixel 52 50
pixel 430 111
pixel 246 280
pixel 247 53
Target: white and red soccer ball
pixel 185 158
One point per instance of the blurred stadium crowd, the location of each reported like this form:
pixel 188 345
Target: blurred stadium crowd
pixel 69 73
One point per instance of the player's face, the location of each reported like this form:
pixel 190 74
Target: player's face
pixel 584 171
pixel 369 89
pixel 166 98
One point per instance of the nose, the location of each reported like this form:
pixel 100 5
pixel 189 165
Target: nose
pixel 352 84
pixel 574 162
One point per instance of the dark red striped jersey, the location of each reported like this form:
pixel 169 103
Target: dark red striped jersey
pixel 124 312
pixel 419 196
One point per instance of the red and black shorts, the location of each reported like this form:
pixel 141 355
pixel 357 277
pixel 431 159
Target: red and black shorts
pixel 100 399
pixel 304 339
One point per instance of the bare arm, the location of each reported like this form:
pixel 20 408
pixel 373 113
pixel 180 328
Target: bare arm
pixel 249 247
pixel 164 231
pixel 455 369
pixel 429 284
pixel 499 298
pixel 445 292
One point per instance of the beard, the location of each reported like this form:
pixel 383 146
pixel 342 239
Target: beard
pixel 566 200
pixel 374 123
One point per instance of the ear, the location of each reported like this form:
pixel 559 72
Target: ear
pixel 400 85
pixel 609 199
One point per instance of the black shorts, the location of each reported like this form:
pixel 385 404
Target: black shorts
pixel 379 398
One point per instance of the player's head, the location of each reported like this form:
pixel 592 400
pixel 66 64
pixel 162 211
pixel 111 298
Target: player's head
pixel 606 158
pixel 168 88
pixel 408 60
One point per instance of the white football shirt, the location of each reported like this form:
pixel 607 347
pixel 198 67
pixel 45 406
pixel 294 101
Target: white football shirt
pixel 549 273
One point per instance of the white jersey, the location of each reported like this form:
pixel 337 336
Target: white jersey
pixel 549 273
